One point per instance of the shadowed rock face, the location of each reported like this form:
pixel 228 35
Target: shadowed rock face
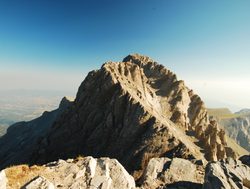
pixel 133 110
pixel 17 145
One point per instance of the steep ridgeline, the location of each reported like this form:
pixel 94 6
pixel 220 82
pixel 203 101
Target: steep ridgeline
pixel 17 145
pixel 134 110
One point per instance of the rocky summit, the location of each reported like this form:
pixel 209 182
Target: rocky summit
pixel 133 111
pixel 133 124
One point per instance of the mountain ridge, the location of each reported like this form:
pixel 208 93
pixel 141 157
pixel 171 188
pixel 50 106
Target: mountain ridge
pixel 133 107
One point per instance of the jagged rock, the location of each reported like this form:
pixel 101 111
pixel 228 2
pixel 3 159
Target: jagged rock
pixel 245 160
pixel 227 174
pixel 3 180
pixel 85 172
pixel 39 183
pixel 167 173
pixel 133 111
pixel 237 125
pixel 17 145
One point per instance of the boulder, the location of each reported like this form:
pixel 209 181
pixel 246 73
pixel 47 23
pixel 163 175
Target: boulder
pixel 167 173
pixel 3 180
pixel 227 174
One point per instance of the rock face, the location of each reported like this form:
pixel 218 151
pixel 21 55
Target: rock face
pixel 3 180
pixel 167 173
pixel 227 174
pixel 134 110
pixel 17 145
pixel 245 160
pixel 88 172
pixel 238 129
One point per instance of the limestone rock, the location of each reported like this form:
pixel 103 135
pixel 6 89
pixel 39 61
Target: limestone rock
pixel 39 183
pixel 86 172
pixel 3 180
pixel 227 174
pixel 167 173
pixel 133 110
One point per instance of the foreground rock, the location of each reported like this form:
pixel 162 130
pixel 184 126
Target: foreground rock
pixel 88 172
pixel 167 173
pixel 227 174
pixel 39 182
pixel 3 180
pixel 133 111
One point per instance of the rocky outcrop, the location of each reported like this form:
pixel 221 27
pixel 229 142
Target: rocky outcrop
pixel 87 172
pixel 134 110
pixel 227 174
pixel 17 145
pixel 3 180
pixel 238 128
pixel 167 173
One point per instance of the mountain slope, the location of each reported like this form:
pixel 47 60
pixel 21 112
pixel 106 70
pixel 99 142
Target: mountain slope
pixel 17 145
pixel 134 110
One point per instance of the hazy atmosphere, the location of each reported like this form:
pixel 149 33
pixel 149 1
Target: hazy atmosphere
pixel 52 45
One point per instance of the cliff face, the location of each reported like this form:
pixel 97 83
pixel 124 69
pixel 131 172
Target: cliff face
pixel 134 110
pixel 238 129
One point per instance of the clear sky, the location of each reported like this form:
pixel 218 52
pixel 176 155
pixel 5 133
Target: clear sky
pixel 52 44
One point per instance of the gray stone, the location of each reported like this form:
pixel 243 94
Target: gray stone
pixel 87 172
pixel 227 174
pixel 169 173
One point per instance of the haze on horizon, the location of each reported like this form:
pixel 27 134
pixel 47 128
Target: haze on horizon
pixel 52 45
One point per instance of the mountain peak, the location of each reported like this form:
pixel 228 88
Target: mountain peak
pixel 66 101
pixel 138 59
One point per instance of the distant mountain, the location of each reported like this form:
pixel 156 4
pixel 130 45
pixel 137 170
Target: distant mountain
pixel 25 105
pixel 220 112
pixel 3 129
pixel 236 125
pixel 243 111
pixel 21 138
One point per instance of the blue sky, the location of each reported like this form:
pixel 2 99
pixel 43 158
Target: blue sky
pixel 52 44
